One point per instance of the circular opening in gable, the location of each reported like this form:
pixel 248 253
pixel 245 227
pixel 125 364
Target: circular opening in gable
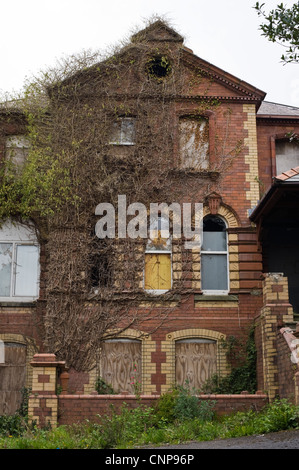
pixel 159 67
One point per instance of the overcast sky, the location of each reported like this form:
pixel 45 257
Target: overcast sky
pixel 36 33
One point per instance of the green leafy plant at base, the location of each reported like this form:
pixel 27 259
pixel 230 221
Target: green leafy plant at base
pixel 103 388
pixel 16 424
pixel 243 375
pixel 181 403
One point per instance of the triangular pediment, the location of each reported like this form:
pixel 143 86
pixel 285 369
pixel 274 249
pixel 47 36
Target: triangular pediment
pixel 157 31
pixel 202 79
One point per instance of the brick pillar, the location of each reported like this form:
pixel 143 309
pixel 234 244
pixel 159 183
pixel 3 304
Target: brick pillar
pixel 276 312
pixel 43 402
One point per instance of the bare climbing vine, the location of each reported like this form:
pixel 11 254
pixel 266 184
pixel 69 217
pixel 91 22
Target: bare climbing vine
pixel 92 289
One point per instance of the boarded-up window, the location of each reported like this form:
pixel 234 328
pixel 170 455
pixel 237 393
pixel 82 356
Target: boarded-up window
pixel 195 361
pixel 157 262
pixel 157 274
pixel 194 143
pixel 121 364
pixel 12 378
pixel 287 155
pixel 17 147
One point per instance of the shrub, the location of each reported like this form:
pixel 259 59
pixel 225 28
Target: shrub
pixel 279 415
pixel 165 407
pixel 188 406
pixel 16 424
pixel 181 403
pixel 103 388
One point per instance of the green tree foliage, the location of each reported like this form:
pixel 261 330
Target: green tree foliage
pixel 281 25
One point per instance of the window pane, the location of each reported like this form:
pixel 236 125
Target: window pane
pixel 5 268
pixel 287 155
pixel 115 133
pixel 214 272
pixel 214 241
pixel 26 283
pixel 128 131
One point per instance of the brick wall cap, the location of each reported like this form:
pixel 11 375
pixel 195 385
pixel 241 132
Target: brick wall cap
pixel 45 357
pixel 92 396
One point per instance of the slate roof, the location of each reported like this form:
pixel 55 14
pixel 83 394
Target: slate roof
pixel 268 108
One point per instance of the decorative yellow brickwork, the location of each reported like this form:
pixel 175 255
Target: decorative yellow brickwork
pixel 90 387
pixel 32 405
pixel 43 403
pixel 251 159
pixel 275 300
pixel 168 346
pixel 268 330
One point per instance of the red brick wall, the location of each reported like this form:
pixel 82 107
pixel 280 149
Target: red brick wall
pixel 267 130
pixel 78 408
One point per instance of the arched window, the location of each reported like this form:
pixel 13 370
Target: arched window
pixel 214 256
pixel 19 262
pixel 157 265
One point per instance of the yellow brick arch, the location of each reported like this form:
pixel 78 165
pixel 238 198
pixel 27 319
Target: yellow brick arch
pixel 227 213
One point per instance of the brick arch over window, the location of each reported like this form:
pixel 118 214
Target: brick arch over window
pixel 226 212
pixel 169 348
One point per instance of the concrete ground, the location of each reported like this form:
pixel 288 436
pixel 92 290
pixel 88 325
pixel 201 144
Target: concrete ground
pixel 276 440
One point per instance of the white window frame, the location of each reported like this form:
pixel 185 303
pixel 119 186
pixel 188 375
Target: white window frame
pixel 18 235
pixel 211 252
pixel 120 122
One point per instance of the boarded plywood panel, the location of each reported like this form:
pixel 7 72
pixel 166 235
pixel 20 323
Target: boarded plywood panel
pixel 195 361
pixel 194 143
pixel 12 378
pixel 157 271
pixel 121 364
